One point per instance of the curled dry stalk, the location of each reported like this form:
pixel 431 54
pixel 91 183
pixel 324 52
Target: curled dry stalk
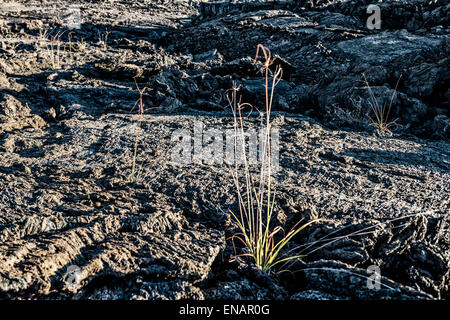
pixel 381 121
pixel 262 243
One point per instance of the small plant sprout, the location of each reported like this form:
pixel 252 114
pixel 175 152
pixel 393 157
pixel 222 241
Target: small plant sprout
pixel 103 40
pixel 55 51
pixel 135 174
pixel 261 242
pixel 381 113
pixel 43 37
pixel 69 36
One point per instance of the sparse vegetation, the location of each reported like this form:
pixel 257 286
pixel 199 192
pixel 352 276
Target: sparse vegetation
pixel 43 37
pixel 10 44
pixel 55 51
pixel 103 40
pixel 380 118
pixel 59 52
pixel 136 173
pixel 263 243
pixel 69 37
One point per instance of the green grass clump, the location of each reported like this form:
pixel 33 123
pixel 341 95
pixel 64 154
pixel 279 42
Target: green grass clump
pixel 262 242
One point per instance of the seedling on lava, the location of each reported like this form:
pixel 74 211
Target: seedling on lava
pixel 79 46
pixel 381 113
pixel 103 40
pixel 70 48
pixel 10 44
pixel 55 51
pixel 262 242
pixel 136 173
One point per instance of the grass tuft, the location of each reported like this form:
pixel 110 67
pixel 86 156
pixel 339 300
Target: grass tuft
pixel 55 51
pixel 103 40
pixel 381 113
pixel 262 243
pixel 136 173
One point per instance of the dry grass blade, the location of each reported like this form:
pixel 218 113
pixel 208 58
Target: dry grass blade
pixel 313 246
pixel 353 273
pixel 135 174
pixel 55 50
pixel 381 121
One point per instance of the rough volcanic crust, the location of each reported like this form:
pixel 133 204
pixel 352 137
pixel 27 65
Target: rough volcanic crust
pixel 67 138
